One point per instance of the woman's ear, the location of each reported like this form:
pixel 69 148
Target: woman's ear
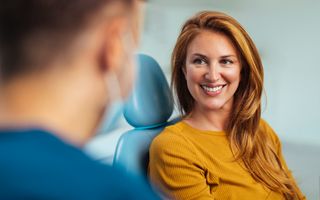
pixel 184 71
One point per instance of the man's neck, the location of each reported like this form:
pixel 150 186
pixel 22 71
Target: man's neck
pixel 43 102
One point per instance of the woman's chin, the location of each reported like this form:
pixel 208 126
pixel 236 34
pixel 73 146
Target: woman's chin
pixel 214 107
pixel 217 106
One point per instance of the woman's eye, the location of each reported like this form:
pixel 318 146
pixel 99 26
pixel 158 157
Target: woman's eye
pixel 226 61
pixel 199 61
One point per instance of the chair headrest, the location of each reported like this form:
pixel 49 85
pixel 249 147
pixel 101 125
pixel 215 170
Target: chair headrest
pixel 151 103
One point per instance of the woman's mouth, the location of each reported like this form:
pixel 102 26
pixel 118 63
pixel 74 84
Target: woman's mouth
pixel 212 91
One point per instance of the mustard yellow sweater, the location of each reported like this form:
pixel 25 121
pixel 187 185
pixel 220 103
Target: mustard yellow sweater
pixel 187 163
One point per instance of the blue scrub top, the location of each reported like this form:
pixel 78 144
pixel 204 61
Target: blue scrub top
pixel 34 164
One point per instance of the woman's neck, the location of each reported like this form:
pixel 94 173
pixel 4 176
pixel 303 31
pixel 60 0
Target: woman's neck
pixel 206 119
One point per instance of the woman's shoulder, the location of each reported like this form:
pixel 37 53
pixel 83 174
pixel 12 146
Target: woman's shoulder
pixel 170 134
pixel 170 137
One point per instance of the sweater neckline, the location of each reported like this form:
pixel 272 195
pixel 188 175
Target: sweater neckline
pixel 207 132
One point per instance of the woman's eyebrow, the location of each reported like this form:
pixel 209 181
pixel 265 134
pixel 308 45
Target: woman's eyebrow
pixel 206 57
pixel 200 55
pixel 227 56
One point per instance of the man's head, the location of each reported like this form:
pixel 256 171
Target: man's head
pixel 34 33
pixel 68 49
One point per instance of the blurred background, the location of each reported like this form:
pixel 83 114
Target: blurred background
pixel 287 35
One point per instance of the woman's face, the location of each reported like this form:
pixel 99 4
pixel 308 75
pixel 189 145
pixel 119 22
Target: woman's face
pixel 212 71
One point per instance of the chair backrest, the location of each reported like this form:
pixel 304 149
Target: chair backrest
pixel 147 110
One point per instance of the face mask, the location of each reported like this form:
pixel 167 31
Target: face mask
pixel 116 103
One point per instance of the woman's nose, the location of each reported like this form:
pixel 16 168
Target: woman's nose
pixel 213 74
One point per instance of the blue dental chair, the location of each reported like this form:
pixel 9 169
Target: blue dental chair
pixel 147 110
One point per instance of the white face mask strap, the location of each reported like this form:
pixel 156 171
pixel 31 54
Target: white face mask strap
pixel 113 87
pixel 127 41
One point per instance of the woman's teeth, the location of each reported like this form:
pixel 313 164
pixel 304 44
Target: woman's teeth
pixel 212 89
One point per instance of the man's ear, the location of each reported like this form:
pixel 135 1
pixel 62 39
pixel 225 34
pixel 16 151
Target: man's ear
pixel 112 49
pixel 138 20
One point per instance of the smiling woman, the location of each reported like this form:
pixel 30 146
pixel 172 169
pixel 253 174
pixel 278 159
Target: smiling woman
pixel 221 149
